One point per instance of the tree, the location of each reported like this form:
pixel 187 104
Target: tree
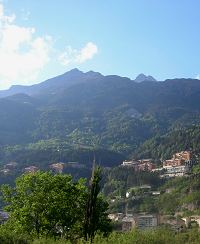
pixel 46 204
pixel 96 217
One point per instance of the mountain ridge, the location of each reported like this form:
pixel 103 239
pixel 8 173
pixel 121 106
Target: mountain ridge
pixel 67 79
pixel 71 78
pixel 90 109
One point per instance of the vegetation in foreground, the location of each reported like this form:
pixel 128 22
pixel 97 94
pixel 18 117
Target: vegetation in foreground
pixel 47 208
pixel 54 206
pixel 158 236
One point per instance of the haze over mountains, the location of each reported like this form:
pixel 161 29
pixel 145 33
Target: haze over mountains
pixel 90 109
pixel 63 81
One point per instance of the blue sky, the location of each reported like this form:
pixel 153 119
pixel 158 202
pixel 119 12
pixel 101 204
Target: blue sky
pixel 40 39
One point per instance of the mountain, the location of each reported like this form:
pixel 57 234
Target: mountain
pixel 53 85
pixel 89 110
pixel 142 77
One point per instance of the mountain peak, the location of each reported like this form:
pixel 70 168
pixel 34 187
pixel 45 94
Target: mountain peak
pixel 74 72
pixel 93 74
pixel 142 77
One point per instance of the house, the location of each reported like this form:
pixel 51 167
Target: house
pixel 112 216
pixel 128 223
pixel 147 166
pixel 131 163
pixel 143 161
pixel 172 171
pixel 173 162
pixel 57 167
pixel 146 221
pixel 10 165
pixel 179 165
pixel 178 159
pixel 116 216
pixel 155 193
pixel 5 171
pixel 184 155
pixel 31 169
pixel 119 216
pixel 146 187
pixel 140 165
pixel 159 170
pixel 140 221
pixel 175 223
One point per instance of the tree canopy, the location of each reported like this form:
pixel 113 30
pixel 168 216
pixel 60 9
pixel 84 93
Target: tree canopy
pixel 43 204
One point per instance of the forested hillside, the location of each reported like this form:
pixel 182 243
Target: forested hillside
pixel 111 113
pixel 162 147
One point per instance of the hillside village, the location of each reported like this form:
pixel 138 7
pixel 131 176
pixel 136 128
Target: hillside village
pixel 179 165
pixel 54 167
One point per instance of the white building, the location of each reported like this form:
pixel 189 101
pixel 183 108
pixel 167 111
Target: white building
pixel 146 221
pixel 131 163
pixel 172 171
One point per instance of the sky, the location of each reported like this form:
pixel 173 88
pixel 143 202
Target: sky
pixel 40 39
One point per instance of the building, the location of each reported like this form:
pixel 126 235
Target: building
pixel 184 155
pixel 128 223
pixel 173 162
pixel 172 171
pixel 158 170
pixel 146 221
pixel 146 166
pixel 179 165
pixel 57 167
pixel 179 158
pixel 173 222
pixel 155 193
pixel 10 165
pixel 31 169
pixel 131 163
pixel 140 165
pixel 116 216
pixel 112 216
pixel 5 171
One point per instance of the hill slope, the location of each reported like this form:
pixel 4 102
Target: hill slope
pixel 89 109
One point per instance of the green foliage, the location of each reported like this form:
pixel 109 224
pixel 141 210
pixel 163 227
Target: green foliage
pixel 120 179
pixel 180 195
pixel 163 147
pixel 45 204
pixel 44 152
pixel 111 115
pixel 157 236
pixel 96 219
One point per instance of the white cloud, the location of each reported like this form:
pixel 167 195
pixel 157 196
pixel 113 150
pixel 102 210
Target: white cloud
pixel 22 54
pixel 197 77
pixel 74 56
